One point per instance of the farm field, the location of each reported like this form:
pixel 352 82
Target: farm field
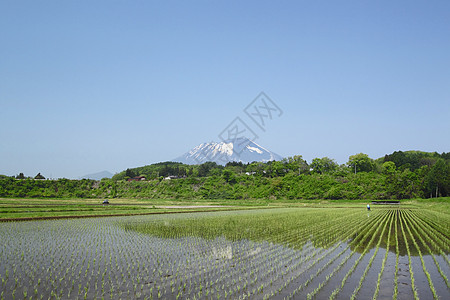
pixel 398 252
pixel 28 209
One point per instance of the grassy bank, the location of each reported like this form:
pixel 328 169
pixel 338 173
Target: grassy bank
pixel 25 209
pixel 28 209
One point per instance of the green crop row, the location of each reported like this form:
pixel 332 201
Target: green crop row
pixel 286 253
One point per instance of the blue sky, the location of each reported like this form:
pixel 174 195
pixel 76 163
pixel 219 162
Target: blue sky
pixel 87 86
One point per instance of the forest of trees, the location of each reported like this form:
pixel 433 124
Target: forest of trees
pixel 400 175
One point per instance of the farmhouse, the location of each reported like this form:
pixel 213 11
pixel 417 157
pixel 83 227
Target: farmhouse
pixel 137 178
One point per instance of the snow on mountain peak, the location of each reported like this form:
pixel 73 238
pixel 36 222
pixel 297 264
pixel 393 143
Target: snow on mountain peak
pixel 239 149
pixel 254 149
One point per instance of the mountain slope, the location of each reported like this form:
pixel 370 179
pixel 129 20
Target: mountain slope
pixel 98 176
pixel 239 150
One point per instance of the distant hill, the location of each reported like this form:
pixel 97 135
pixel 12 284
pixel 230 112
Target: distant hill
pixel 98 176
pixel 413 160
pixel 238 150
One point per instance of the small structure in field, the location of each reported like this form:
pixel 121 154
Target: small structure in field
pixel 385 202
pixel 173 177
pixel 137 178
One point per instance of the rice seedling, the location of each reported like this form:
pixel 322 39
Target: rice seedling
pixel 419 232
pixel 413 287
pixel 372 233
pixel 430 282
pixel 397 254
pixel 383 264
pixel 257 254
pixel 355 292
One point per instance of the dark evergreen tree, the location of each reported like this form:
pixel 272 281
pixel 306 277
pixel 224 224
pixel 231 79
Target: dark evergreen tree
pixel 39 176
pixel 437 181
pixel 130 173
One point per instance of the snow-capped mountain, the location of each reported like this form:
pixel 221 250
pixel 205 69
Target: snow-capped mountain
pixel 239 150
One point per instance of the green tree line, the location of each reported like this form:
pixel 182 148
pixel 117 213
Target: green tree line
pixel 400 175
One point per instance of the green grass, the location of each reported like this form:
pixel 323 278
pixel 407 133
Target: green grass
pixel 25 209
pixel 11 209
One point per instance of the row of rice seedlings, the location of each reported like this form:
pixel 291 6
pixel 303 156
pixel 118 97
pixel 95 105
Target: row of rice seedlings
pixel 57 270
pixel 430 282
pixel 438 220
pixel 284 268
pixel 413 286
pixel 273 232
pixel 438 232
pixel 365 233
pixel 321 233
pixel 254 265
pixel 317 256
pixel 289 257
pixel 419 232
pixel 337 268
pixel 205 271
pixel 383 264
pixel 435 238
pixel 166 273
pixel 95 259
pixel 120 269
pixel 354 229
pixel 292 271
pixel 284 272
pixel 356 290
pixel 397 254
pixel 337 290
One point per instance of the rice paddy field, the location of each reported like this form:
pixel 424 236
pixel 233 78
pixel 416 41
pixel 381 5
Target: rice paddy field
pixel 280 253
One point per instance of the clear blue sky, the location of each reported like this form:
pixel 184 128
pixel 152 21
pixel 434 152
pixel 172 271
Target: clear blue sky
pixel 87 86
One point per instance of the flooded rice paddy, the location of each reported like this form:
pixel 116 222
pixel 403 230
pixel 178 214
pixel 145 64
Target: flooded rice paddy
pixel 259 254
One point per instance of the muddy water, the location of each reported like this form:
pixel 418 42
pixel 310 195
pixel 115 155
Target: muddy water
pixel 387 278
pixel 336 280
pixel 438 281
pixel 404 279
pixel 369 285
pixel 420 280
pixel 353 279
